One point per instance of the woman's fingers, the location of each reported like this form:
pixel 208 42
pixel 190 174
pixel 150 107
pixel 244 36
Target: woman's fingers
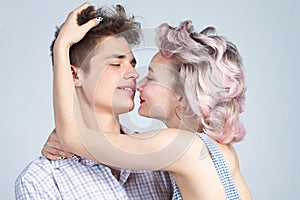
pixel 71 31
pixel 53 141
pixel 51 156
pixel 53 149
pixel 55 154
pixel 82 7
pixel 53 137
pixel 88 25
pixel 73 15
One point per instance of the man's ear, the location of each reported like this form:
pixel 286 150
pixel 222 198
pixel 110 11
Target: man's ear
pixel 76 77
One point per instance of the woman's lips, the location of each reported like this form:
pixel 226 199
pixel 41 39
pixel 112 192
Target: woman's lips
pixel 141 100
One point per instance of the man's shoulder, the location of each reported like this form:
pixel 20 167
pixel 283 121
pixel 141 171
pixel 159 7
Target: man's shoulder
pixel 42 170
pixel 37 181
pixel 36 169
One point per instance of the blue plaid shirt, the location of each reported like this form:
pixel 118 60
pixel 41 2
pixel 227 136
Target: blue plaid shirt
pixel 68 179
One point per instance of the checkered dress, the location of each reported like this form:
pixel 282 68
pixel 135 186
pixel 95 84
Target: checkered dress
pixel 221 167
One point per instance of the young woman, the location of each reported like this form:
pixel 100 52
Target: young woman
pixel 195 85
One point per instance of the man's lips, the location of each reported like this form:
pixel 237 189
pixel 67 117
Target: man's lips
pixel 129 89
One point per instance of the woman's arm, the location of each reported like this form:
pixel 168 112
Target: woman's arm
pixel 63 84
pixel 152 150
pixel 53 149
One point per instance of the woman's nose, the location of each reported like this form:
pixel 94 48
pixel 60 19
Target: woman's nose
pixel 140 84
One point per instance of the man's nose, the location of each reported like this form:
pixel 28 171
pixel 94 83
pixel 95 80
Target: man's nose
pixel 133 74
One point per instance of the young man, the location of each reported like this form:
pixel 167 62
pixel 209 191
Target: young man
pixel 102 65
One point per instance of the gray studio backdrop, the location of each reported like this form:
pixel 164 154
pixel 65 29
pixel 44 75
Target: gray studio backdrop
pixel 266 32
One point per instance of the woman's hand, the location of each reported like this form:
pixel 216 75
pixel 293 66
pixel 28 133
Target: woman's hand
pixel 71 32
pixel 53 149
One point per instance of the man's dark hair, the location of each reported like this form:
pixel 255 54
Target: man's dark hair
pixel 114 22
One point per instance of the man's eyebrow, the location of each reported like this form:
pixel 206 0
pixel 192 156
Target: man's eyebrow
pixel 119 56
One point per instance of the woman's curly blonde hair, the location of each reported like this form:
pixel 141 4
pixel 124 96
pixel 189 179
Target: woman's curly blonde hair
pixel 211 71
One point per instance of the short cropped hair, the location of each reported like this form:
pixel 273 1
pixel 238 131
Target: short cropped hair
pixel 211 71
pixel 115 22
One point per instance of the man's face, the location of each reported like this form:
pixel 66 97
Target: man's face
pixel 110 84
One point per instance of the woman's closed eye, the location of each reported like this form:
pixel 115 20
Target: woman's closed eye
pixel 149 78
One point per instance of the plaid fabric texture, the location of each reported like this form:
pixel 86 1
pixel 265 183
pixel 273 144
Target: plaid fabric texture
pixel 68 179
pixel 86 179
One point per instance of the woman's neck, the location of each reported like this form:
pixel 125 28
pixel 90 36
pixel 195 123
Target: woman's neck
pixel 179 122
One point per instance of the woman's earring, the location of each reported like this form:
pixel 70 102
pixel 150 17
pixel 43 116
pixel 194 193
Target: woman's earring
pixel 181 120
pixel 177 115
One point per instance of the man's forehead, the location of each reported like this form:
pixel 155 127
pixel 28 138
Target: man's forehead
pixel 113 48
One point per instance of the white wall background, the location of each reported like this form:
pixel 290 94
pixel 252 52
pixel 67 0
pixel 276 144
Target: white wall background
pixel 266 32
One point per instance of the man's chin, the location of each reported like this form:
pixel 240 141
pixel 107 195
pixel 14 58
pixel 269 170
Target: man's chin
pixel 131 107
pixel 123 109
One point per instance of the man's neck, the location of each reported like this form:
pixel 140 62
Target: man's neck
pixel 107 122
pixel 99 119
pixel 104 121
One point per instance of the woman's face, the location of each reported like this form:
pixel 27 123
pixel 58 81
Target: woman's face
pixel 157 97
